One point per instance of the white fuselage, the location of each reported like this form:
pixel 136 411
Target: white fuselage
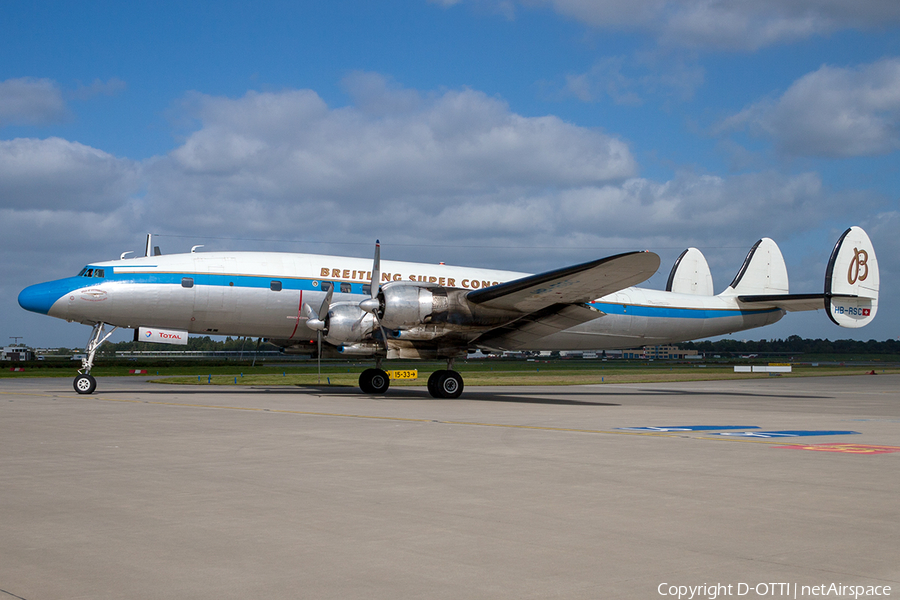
pixel 261 295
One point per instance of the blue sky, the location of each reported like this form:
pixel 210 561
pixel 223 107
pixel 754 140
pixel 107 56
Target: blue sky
pixel 520 135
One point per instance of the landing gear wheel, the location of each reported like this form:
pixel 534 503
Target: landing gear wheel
pixel 85 384
pixel 432 383
pixel 447 384
pixel 374 381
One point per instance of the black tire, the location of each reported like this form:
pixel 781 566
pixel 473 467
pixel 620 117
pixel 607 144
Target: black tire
pixel 380 381
pixel 364 379
pixel 374 381
pixel 85 384
pixel 449 384
pixel 433 385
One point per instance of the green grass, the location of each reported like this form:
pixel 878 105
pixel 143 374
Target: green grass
pixel 476 373
pixel 518 375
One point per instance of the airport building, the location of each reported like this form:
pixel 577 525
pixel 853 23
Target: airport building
pixel 661 353
pixel 16 353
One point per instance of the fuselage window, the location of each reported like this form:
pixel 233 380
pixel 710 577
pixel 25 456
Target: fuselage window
pixel 345 288
pixel 367 289
pixel 275 286
pixel 187 282
pixel 327 285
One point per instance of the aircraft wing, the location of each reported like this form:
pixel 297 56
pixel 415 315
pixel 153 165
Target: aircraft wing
pixel 569 285
pixel 537 325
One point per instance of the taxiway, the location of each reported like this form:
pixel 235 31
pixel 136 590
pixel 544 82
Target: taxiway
pixel 155 491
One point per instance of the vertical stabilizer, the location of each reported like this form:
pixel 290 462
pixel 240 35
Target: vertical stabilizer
pixel 690 275
pixel 763 272
pixel 852 280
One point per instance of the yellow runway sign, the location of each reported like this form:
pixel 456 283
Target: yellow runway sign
pixel 405 374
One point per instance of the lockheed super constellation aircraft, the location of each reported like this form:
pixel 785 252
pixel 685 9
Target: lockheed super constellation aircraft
pixel 334 305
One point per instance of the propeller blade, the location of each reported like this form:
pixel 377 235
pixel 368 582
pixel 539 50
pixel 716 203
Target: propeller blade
pixel 326 303
pixel 372 305
pixel 376 271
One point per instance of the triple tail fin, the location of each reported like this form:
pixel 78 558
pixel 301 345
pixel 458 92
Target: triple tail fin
pixel 851 281
pixel 763 272
pixel 690 275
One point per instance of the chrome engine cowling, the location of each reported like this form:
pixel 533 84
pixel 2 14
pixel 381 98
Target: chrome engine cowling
pixel 405 306
pixel 409 307
pixel 348 323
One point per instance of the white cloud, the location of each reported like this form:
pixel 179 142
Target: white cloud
pixel 449 168
pixel 832 112
pixel 726 24
pixel 30 101
pixel 291 149
pixel 454 176
pixel 110 87
pixel 455 167
pixel 692 206
pixel 630 81
pixel 58 174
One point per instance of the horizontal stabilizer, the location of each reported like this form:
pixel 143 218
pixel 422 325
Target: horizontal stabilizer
pixel 690 275
pixel 788 302
pixel 569 285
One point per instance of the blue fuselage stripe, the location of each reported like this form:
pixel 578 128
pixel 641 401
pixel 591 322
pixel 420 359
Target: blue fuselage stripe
pixel 226 280
pixel 671 312
pixel 65 286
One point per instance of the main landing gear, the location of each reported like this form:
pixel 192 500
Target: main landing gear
pixel 85 383
pixel 374 381
pixel 444 383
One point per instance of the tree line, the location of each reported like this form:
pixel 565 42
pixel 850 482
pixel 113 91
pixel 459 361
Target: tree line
pixel 791 345
pixel 201 344
pixel 794 344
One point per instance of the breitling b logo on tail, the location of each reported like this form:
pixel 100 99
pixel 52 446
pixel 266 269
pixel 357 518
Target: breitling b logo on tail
pixel 858 270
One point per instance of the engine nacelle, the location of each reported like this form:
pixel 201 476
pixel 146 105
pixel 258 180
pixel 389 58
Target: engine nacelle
pixel 365 349
pixel 348 323
pixel 405 307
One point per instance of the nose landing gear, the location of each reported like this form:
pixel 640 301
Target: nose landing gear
pixel 85 383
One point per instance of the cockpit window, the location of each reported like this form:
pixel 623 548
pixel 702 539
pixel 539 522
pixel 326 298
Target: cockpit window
pixel 92 272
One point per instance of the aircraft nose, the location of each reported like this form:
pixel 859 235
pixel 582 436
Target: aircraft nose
pixel 41 297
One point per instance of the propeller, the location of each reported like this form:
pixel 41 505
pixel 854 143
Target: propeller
pixel 319 325
pixel 372 305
